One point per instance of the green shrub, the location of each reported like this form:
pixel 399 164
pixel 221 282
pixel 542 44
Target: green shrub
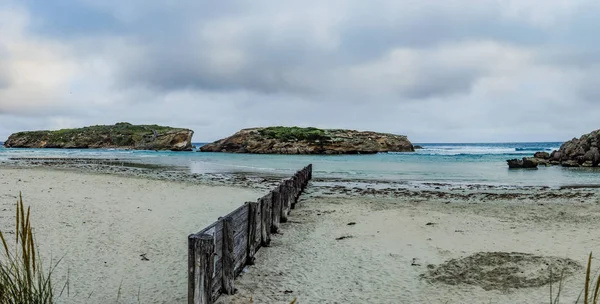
pixel 295 134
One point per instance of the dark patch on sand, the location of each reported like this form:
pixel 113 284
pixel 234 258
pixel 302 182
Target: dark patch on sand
pixel 502 270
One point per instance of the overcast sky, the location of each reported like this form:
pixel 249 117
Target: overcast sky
pixel 437 71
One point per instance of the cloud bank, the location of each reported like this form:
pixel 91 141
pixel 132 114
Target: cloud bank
pixel 456 71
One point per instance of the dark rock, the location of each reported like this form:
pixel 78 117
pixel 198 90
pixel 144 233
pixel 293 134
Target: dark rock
pixel 525 163
pixel 418 147
pixel 541 155
pixel 569 163
pixel 581 151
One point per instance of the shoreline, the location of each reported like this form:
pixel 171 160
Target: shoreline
pixel 260 180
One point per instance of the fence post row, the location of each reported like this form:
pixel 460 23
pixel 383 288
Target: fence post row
pixel 264 218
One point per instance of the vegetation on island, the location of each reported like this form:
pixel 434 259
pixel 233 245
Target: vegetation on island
pixel 309 140
pixel 122 134
pixel 295 134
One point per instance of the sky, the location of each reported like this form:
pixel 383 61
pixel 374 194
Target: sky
pixel 436 71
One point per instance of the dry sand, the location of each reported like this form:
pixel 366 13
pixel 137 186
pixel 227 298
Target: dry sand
pixel 396 239
pixel 101 224
pixel 393 252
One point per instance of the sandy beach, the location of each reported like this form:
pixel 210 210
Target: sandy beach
pixel 377 243
pixel 100 225
pixel 375 248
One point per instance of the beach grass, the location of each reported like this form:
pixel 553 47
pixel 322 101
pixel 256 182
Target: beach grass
pixel 22 277
pixel 590 291
pixel 592 288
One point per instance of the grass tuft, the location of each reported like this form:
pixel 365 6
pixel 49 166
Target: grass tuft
pixel 22 278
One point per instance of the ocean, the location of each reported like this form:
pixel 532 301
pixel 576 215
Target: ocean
pixel 447 163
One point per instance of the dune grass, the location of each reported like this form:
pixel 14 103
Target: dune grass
pixel 22 277
pixel 590 294
pixel 591 288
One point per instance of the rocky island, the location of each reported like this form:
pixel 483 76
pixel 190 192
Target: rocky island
pixel 578 152
pixel 296 140
pixel 121 135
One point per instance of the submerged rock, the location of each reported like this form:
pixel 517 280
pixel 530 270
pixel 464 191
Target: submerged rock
pixel 525 163
pixel 120 135
pixel 295 140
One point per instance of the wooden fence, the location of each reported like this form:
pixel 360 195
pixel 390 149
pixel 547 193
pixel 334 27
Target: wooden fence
pixel 219 253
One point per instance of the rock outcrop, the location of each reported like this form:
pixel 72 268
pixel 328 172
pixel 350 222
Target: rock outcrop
pixel 542 155
pixel 121 135
pixel 579 152
pixel 295 140
pixel 525 163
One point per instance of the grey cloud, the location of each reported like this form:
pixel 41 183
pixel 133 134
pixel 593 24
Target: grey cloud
pixel 279 53
pixel 451 71
pixel 4 79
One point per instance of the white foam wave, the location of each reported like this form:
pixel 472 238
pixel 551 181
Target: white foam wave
pixel 478 150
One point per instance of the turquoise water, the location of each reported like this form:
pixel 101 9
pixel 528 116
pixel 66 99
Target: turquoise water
pixel 471 163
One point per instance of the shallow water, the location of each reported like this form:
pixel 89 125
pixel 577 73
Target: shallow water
pixel 474 163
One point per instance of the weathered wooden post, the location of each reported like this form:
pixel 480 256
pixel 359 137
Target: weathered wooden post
pixel 191 267
pixel 201 251
pixel 284 198
pixel 251 248
pixel 228 257
pixel 275 211
pixel 258 220
pixel 265 225
pixel 303 177
pixel 296 189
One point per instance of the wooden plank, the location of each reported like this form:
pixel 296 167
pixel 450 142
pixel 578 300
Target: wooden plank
pixel 295 191
pixel 240 212
pixel 258 224
pixel 208 228
pixel 266 202
pixel 284 194
pixel 240 262
pixel 191 267
pixel 240 242
pixel 217 285
pixel 203 273
pixel 241 225
pixel 251 245
pixel 275 211
pixel 228 258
